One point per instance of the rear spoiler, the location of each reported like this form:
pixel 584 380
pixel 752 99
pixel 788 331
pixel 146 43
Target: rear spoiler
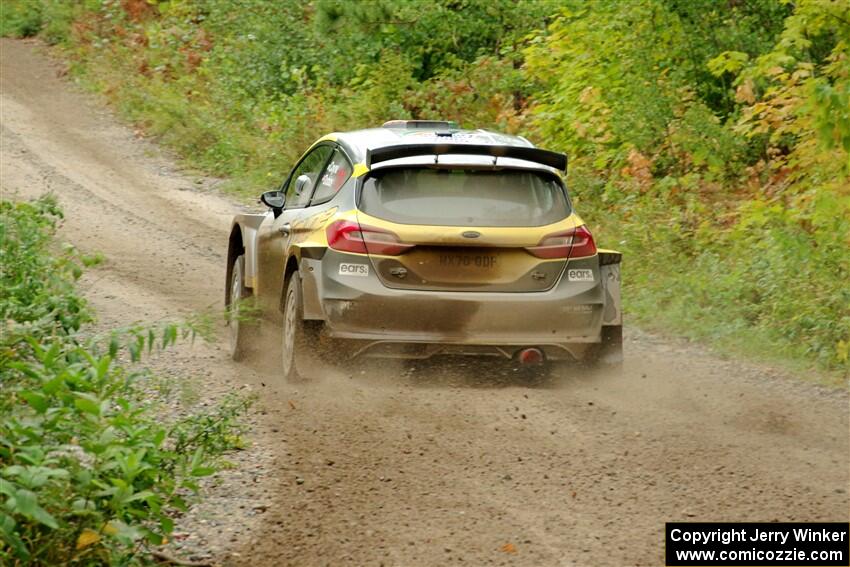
pixel 536 155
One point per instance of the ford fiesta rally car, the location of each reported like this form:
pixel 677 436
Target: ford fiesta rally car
pixel 417 239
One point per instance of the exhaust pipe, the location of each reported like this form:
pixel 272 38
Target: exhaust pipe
pixel 530 355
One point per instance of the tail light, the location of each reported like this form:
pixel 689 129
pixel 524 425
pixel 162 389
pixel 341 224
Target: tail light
pixel 573 243
pixel 350 236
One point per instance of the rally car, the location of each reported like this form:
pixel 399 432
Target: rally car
pixel 418 239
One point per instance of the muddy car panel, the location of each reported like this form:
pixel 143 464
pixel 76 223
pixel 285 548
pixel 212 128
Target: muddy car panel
pixel 357 305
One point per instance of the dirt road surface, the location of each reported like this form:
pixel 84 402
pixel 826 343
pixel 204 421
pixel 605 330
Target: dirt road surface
pixel 438 463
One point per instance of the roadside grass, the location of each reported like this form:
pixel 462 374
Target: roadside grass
pixel 674 309
pixel 766 295
pixel 92 470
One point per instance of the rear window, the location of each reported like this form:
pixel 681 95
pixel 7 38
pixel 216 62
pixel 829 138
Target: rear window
pixel 464 197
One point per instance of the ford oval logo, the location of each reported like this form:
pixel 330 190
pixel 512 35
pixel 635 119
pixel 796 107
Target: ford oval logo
pixel 471 234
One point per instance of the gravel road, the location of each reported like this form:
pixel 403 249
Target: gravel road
pixel 443 463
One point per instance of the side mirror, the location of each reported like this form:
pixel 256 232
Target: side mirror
pixel 273 199
pixel 301 183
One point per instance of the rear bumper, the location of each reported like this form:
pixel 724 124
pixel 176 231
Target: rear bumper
pixel 562 320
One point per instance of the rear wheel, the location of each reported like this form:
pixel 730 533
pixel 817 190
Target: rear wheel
pixel 299 337
pixel 242 330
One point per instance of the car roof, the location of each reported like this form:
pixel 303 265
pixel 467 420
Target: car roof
pixel 358 143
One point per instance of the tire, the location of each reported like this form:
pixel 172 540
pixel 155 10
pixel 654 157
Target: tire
pixel 242 331
pixel 299 338
pixel 608 354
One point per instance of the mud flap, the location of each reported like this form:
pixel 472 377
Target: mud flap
pixel 609 271
pixel 311 276
pixel 610 351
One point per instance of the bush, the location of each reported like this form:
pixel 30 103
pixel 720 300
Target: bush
pixel 717 155
pixel 89 470
pixel 21 18
pixel 50 18
pixel 39 299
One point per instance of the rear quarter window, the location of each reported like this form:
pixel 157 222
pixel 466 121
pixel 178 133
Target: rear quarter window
pixel 333 178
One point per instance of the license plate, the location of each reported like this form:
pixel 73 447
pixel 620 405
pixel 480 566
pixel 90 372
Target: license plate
pixel 482 261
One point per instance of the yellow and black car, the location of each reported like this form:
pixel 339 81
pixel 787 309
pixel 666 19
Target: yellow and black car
pixel 418 239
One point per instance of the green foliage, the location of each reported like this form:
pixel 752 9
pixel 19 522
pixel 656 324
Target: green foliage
pixel 39 300
pixel 616 79
pixel 717 156
pixel 435 36
pixel 22 18
pixel 242 91
pixel 89 471
pixel 51 19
